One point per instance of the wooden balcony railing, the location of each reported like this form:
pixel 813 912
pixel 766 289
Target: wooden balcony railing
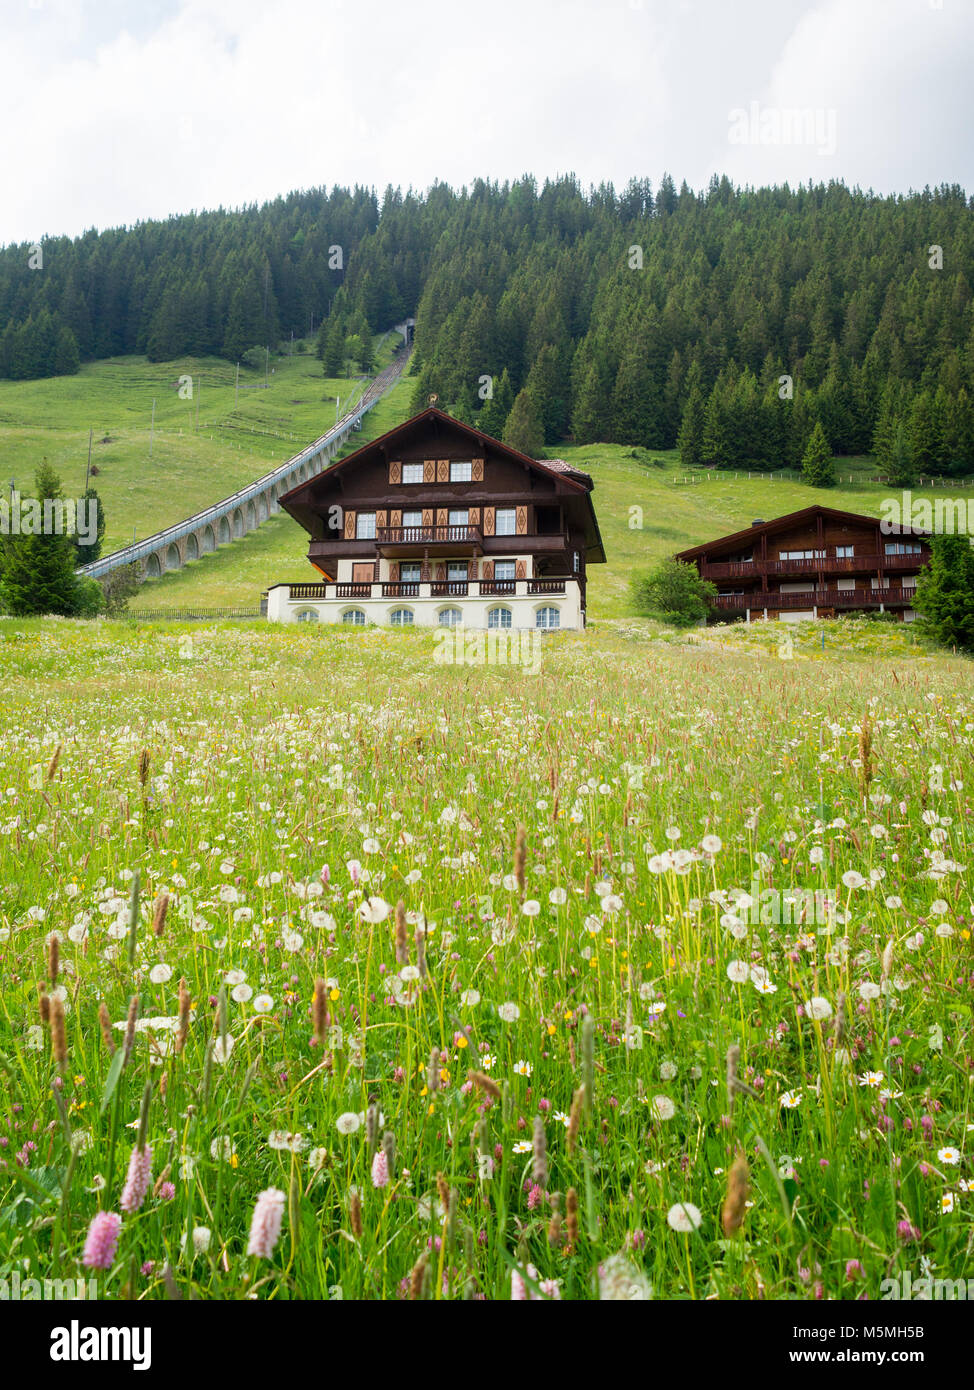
pixel 349 590
pixel 758 599
pixel 829 564
pixel 498 586
pixel 404 589
pixel 546 586
pixel 428 535
pixel 448 588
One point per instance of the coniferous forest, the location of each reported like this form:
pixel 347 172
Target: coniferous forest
pixel 729 322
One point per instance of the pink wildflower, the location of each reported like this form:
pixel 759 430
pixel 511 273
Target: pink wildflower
pixel 265 1224
pixel 380 1169
pixel 138 1179
pixel 102 1240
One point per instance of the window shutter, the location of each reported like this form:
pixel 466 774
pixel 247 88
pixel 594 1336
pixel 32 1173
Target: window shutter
pixel 381 520
pixel 488 521
pixel 488 569
pixel 395 519
pixel 474 517
pixel 394 572
pixel 395 471
pixel 441 516
pixel 471 569
pixel 429 470
pixel 520 570
pixel 478 470
pixel 522 521
pixel 427 516
pixel 442 470
pixel 349 526
pixel 440 572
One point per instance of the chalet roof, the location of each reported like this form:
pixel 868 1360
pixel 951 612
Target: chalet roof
pixel 787 522
pixel 295 502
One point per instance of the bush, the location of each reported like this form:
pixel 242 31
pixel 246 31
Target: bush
pixel 674 593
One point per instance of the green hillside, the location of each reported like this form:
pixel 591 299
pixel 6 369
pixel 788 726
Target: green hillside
pixel 189 470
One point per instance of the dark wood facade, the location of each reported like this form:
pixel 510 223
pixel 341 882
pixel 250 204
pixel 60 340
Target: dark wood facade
pixel 436 494
pixel 818 561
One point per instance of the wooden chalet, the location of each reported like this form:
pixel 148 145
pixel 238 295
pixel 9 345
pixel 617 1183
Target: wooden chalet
pixel 437 523
pixel 816 563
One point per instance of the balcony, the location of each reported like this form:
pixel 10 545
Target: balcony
pixel 393 541
pixel 757 600
pixel 829 564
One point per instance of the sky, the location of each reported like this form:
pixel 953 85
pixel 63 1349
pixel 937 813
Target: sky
pixel 114 111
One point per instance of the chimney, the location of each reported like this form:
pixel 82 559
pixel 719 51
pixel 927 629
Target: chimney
pixel 759 522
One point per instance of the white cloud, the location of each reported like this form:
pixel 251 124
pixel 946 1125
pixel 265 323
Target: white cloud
pixel 110 117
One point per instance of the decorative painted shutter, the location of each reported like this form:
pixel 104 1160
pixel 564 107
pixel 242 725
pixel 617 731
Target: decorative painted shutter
pixel 488 521
pixel 488 569
pixel 395 471
pixel 522 521
pixel 442 470
pixel 441 516
pixel 471 569
pixel 478 470
pixel 349 526
pixel 520 570
pixel 440 572
pixel 427 516
pixel 429 470
pixel 381 520
pixel 474 517
pixel 395 519
pixel 394 572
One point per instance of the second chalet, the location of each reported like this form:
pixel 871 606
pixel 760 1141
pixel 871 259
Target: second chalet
pixel 815 563
pixel 435 523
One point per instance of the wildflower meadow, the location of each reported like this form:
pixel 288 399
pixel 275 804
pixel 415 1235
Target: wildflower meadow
pixel 333 973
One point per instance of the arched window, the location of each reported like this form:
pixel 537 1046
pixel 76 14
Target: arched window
pixel 354 615
pixel 499 617
pixel 450 617
pixel 547 617
pixel 401 617
pixel 307 615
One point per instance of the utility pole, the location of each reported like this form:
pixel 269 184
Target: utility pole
pixel 88 469
pixel 152 427
pixel 236 387
pixel 199 388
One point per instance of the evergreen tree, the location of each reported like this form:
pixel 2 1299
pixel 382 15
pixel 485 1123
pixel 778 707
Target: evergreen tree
pixel 332 344
pixel 902 467
pixel 690 438
pixel 492 416
pixel 818 465
pixel 523 430
pixel 38 574
pixel 87 554
pixel 945 592
pixel 67 360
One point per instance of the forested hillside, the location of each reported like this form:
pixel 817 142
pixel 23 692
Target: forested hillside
pixel 655 317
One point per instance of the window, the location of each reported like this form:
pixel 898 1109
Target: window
pixel 456 572
pixel 355 616
pixel 412 518
pixel 461 472
pixel 575 565
pixel 505 523
pixel 307 615
pixel 504 569
pixel 409 573
pixel 903 548
pixel 802 555
pixel 401 617
pixel 461 517
pixel 365 526
pixel 547 617
pixel 412 472
pixel 499 617
pixel 843 552
pixel 450 617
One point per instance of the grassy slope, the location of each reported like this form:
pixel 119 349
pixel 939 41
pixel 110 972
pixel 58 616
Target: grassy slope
pixel 188 471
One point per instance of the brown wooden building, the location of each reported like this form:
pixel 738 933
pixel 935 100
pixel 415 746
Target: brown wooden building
pixel 437 523
pixel 816 563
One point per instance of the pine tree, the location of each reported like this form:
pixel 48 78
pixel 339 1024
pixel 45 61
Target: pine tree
pixel 902 465
pixel 818 465
pixel 690 438
pixel 523 430
pixel 945 592
pixel 38 574
pixel 67 360
pixel 87 554
pixel 492 416
pixel 332 342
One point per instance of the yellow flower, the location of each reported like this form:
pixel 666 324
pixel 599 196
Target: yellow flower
pixel 462 1042
pixel 334 994
pixel 551 1029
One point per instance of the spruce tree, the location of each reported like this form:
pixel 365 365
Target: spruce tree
pixel 38 575
pixel 87 554
pixel 818 465
pixel 523 430
pixel 902 466
pixel 492 416
pixel 945 592
pixel 690 438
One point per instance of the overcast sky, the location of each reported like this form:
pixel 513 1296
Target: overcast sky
pixel 117 110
